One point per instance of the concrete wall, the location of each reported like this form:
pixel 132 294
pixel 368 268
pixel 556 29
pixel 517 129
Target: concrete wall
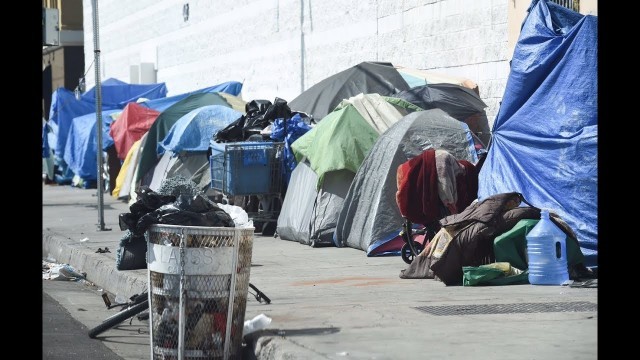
pixel 281 47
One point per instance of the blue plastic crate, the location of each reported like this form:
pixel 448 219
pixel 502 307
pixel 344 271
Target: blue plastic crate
pixel 246 168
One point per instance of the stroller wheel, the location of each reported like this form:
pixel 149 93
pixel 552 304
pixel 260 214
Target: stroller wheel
pixel 407 254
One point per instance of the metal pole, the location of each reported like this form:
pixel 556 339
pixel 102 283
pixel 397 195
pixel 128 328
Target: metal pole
pixel 96 58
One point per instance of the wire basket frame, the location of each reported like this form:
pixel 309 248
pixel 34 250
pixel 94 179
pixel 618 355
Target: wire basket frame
pixel 195 273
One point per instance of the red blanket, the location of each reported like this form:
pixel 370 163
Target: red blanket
pixel 417 195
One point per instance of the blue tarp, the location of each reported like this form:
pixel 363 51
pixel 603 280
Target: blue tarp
pixel 115 95
pixel 229 87
pixel 194 131
pixel 545 136
pixel 81 149
pixel 295 127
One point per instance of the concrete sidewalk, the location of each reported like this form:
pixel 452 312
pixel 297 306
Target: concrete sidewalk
pixel 336 303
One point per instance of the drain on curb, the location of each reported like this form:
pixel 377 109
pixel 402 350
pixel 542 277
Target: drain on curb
pixel 447 310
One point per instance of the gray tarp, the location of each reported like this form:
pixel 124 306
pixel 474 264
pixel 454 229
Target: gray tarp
pixel 370 215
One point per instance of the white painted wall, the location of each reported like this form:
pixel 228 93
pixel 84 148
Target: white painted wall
pixel 281 47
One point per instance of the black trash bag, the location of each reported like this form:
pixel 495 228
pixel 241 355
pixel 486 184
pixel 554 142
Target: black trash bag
pixel 149 200
pixel 231 133
pixel 127 221
pixel 279 109
pixel 187 211
pixel 131 254
pixel 195 203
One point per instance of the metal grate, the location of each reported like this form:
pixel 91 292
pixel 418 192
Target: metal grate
pixel 216 272
pixel 448 310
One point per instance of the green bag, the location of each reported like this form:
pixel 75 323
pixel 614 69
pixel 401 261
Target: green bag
pixel 501 273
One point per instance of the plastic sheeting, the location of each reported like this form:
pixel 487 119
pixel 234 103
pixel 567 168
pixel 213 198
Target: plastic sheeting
pixel 115 95
pixel 370 217
pixel 81 152
pixel 194 131
pixel 289 131
pixel 545 141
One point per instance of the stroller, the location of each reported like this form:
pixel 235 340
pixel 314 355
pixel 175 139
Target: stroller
pixel 424 196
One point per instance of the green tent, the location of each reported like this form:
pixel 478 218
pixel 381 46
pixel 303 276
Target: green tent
pixel 344 137
pixel 166 119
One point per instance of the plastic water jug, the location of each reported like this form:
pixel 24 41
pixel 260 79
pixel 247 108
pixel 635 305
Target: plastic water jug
pixel 547 253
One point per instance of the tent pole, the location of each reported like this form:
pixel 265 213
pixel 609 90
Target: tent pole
pixel 98 87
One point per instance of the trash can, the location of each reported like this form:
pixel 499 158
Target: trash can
pixel 198 288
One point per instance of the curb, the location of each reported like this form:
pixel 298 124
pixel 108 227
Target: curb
pixel 100 269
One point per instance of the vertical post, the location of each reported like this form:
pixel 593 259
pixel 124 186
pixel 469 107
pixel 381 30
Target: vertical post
pixel 96 57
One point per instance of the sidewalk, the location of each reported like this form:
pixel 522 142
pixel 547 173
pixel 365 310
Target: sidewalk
pixel 336 303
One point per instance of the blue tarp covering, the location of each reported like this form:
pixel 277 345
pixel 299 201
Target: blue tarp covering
pixel 81 150
pixel 545 136
pixel 115 95
pixel 229 87
pixel 194 131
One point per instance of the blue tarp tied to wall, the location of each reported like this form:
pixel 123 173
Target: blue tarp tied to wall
pixel 545 140
pixel 229 87
pixel 81 149
pixel 115 95
pixel 194 131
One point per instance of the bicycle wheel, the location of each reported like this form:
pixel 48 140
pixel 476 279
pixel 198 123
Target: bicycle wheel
pixel 118 318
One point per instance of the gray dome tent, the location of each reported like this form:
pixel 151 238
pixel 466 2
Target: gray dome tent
pixel 370 217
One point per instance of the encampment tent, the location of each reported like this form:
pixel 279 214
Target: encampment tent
pixel 134 121
pixel 457 101
pixel 115 95
pixel 335 149
pixel 366 77
pixel 81 147
pixel 184 149
pixel 545 135
pixel 370 219
pixel 149 154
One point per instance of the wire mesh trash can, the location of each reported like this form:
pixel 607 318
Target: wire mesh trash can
pixel 195 274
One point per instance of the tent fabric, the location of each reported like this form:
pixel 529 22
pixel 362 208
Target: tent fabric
pixel 295 214
pixel 229 87
pixel 345 136
pixel 418 77
pixel 329 201
pixel 128 190
pixel 457 101
pixel 124 170
pixel 194 131
pixel 165 121
pixel 335 149
pixel 545 140
pixel 367 77
pixel 115 95
pixel 134 121
pixel 81 151
pixel 370 217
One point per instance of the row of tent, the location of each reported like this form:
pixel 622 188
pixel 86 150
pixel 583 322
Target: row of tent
pixel 368 120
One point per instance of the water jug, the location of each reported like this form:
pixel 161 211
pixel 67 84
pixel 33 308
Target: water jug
pixel 547 253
